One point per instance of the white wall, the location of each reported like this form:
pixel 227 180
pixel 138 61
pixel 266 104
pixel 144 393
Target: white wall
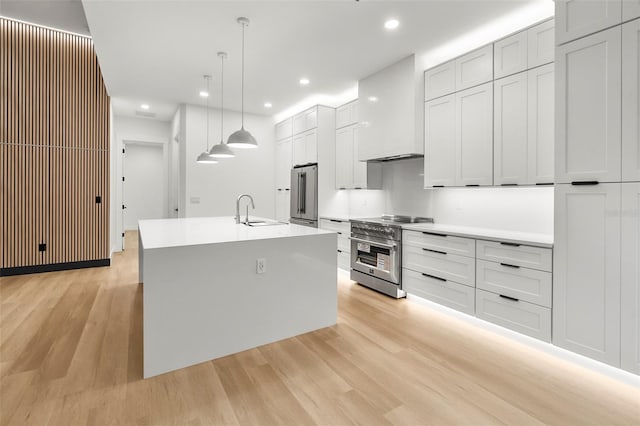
pixel 144 193
pixel 212 189
pixel 133 130
pixel 114 238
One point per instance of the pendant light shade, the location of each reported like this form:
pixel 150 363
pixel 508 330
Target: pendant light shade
pixel 242 138
pixel 221 150
pixel 204 157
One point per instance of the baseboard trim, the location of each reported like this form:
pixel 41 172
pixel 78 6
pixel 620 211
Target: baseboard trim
pixel 52 267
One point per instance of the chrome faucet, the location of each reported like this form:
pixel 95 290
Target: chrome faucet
pixel 238 207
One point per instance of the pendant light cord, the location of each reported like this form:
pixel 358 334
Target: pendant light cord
pixel 208 79
pixel 242 82
pixel 221 98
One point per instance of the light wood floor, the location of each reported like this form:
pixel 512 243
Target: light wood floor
pixel 71 354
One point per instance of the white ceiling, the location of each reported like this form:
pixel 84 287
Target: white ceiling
pixel 156 52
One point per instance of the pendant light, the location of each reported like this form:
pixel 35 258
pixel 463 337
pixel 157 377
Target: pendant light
pixel 242 138
pixel 204 157
pixel 221 150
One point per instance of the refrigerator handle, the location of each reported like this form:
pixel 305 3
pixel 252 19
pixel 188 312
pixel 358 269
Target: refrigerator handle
pixel 303 192
pixel 298 206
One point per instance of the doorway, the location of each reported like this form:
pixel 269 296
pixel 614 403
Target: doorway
pixel 143 191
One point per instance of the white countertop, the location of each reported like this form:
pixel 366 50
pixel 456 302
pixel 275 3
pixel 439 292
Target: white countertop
pixel 525 238
pixel 162 233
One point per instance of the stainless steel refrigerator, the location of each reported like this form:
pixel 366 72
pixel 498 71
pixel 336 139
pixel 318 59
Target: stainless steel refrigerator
pixel 304 195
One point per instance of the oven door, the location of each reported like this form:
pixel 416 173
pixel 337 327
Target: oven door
pixel 377 257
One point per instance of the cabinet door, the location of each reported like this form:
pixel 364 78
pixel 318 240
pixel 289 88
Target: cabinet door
pixel 440 142
pixel 299 123
pixel 474 136
pixel 578 18
pixel 474 68
pixel 346 114
pixel 440 81
pixel 586 271
pixel 510 126
pixel 284 129
pixel 588 113
pixel 311 147
pixel 283 164
pixel 630 291
pixel 631 101
pixel 283 204
pixel 311 118
pixel 510 55
pixel 541 40
pixel 299 150
pixel 630 9
pixel 344 158
pixel 541 122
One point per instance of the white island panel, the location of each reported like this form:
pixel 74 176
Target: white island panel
pixel 206 301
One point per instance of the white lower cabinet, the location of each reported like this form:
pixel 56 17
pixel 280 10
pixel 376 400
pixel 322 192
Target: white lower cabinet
pixel 343 229
pixel 448 293
pixel 586 281
pixel 523 317
pixel 515 254
pixel 440 264
pixel 630 287
pixel 442 242
pixel 524 284
pixel 631 101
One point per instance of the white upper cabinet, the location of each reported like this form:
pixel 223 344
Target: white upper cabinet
pixel 510 55
pixel 474 136
pixel 474 68
pixel 344 157
pixel 510 126
pixel 588 113
pixel 440 81
pixel 541 122
pixel 578 18
pixel 440 142
pixel 586 271
pixel 284 129
pixel 630 287
pixel 630 9
pixel 283 164
pixel 305 148
pixel 306 120
pixel 347 114
pixel 541 40
pixel 631 101
pixel 366 175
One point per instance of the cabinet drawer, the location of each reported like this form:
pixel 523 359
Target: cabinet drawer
pixel 336 225
pixel 453 267
pixel 344 243
pixel 529 285
pixel 447 293
pixel 523 317
pixel 514 254
pixel 344 261
pixel 441 242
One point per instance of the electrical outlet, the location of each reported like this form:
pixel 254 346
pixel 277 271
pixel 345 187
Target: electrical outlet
pixel 261 266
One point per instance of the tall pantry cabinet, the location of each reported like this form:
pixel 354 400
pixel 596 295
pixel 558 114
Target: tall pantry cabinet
pixel 596 300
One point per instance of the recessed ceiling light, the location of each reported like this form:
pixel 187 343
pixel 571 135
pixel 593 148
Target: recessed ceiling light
pixel 391 24
pixel 267 105
pixel 144 106
pixel 204 94
pixel 304 81
pixel 372 99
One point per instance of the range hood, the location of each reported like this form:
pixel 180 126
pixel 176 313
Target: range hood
pixel 391 113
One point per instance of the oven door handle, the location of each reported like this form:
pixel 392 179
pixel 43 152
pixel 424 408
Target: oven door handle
pixel 373 243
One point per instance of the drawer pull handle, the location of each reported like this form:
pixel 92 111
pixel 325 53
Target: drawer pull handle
pixel 434 277
pixel 434 251
pixel 510 266
pixel 339 251
pixel 438 186
pixel 509 298
pixel 335 220
pixel 585 182
pixel 434 234
pixel 508 184
pixel 544 184
pixel 339 233
pixel 472 184
pixel 510 244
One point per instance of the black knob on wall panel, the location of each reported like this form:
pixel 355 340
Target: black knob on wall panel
pixel 42 247
pixel 98 199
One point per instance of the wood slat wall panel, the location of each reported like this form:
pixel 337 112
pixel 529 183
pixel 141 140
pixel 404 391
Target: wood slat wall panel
pixel 54 148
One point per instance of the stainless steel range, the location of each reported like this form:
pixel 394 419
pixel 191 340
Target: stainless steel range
pixel 376 252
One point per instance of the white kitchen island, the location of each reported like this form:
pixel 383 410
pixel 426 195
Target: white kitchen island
pixel 203 297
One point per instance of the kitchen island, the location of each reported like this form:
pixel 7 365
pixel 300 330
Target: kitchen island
pixel 204 297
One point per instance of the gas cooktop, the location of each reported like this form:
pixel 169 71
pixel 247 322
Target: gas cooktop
pixel 389 219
